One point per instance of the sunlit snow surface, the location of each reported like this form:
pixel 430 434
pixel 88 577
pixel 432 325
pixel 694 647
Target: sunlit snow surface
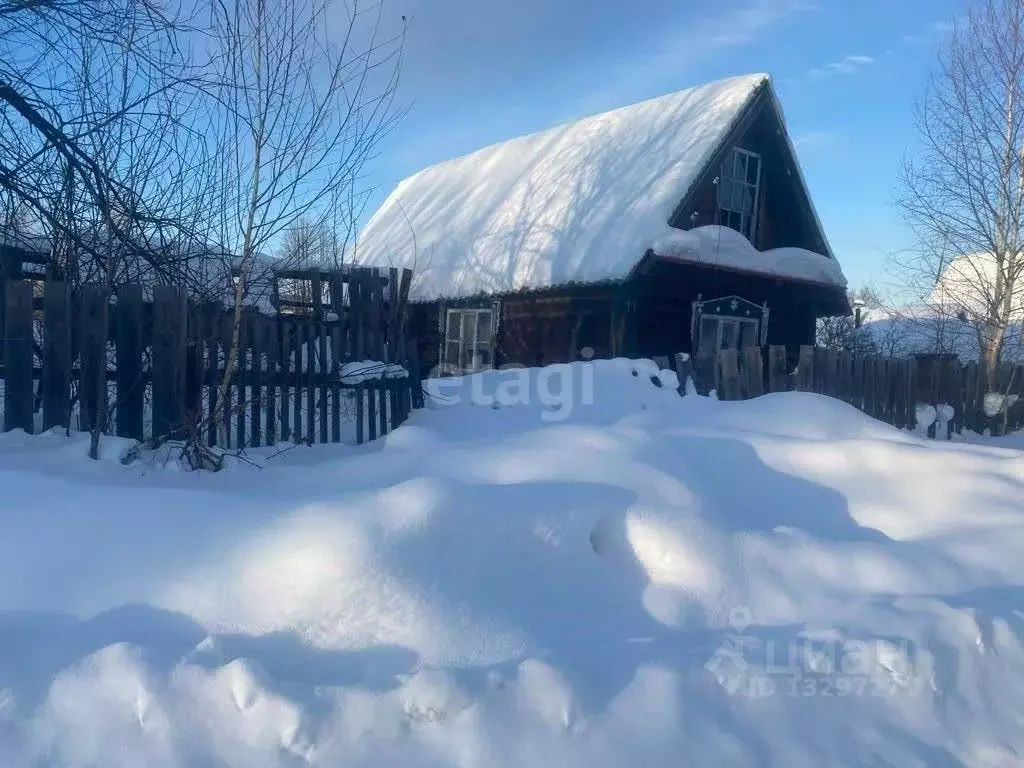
pixel 565 567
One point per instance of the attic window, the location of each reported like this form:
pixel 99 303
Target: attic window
pixel 738 191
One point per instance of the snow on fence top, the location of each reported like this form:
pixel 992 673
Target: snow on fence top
pixel 580 203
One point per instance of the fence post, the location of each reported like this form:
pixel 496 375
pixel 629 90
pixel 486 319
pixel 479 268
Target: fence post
pixel 92 386
pixel 56 356
pixel 18 356
pixel 778 369
pixel 729 375
pixel 754 379
pixel 684 370
pixel 170 324
pixel 805 369
pixel 131 386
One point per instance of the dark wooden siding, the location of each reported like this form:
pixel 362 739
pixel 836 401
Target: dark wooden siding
pixel 785 217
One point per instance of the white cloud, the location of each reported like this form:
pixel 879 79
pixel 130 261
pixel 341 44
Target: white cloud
pixel 848 65
pixel 815 140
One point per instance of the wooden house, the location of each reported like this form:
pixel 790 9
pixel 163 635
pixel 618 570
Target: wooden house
pixel 680 224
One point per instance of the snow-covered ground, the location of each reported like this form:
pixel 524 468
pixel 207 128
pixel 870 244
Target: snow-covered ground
pixel 588 571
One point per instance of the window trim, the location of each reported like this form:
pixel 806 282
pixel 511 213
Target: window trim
pixel 453 319
pixel 730 158
pixel 719 321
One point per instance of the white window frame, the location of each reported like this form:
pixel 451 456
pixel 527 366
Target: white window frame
pixel 720 321
pixel 729 181
pixel 468 349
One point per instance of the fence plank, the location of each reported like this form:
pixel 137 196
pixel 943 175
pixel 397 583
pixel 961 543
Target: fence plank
pixel 57 359
pixel 357 323
pixel 805 369
pixel 684 371
pixel 336 341
pixel 729 375
pixel 371 410
pixel 213 372
pixel 299 378
pixel 256 335
pixel 416 382
pixel 285 378
pixel 242 395
pixel 382 404
pixel 309 353
pixel 393 352
pixel 272 350
pixel 778 369
pixel 169 337
pixel 92 387
pixel 198 322
pixel 18 356
pixel 360 414
pixel 322 332
pixel 754 380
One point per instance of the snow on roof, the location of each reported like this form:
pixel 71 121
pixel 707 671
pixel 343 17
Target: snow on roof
pixel 578 203
pixel 728 249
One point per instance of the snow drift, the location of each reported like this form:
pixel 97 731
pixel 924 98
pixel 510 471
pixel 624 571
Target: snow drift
pixel 571 566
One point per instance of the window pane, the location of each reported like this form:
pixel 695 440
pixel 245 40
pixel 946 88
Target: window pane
pixel 745 204
pixel 454 329
pixel 483 327
pixel 483 356
pixel 740 166
pixel 468 327
pixel 748 334
pixel 753 164
pixel 735 221
pixel 708 335
pixel 451 354
pixel 730 332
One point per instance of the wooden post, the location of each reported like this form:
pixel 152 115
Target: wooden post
pixel 18 389
pixel 336 341
pixel 272 378
pixel 805 369
pixel 309 352
pixel 778 369
pixel 92 384
pixel 213 371
pixel 684 370
pixel 413 367
pixel 57 357
pixel 257 335
pixel 299 378
pixel 382 402
pixel 360 414
pixel 371 409
pixel 754 372
pixel 285 377
pixel 169 339
pixel 240 378
pixel 729 375
pixel 323 373
pixel 131 383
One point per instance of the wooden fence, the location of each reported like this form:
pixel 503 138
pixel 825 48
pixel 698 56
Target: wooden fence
pixel 157 363
pixel 888 389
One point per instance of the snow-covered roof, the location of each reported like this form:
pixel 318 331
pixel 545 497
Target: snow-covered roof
pixel 580 203
pixel 728 249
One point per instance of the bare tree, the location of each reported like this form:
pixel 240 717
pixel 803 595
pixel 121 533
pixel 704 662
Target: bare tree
pixel 964 195
pixel 307 91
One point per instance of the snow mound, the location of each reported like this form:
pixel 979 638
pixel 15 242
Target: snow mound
pixel 597 572
pixel 723 247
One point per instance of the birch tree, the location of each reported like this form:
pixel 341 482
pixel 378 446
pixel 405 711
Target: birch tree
pixel 307 91
pixel 964 194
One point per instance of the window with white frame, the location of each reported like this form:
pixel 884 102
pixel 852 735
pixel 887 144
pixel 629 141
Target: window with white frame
pixel 718 332
pixel 739 190
pixel 467 339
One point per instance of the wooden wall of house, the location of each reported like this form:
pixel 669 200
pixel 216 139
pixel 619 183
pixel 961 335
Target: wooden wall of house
pixel 785 218
pixel 554 328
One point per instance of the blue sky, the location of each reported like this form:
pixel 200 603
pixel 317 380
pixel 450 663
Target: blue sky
pixel 847 72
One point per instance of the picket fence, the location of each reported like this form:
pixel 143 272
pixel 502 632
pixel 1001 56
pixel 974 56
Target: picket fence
pixel 157 362
pixel 885 388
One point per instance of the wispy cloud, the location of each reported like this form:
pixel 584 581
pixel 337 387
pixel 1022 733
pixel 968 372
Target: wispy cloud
pixel 815 140
pixel 848 65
